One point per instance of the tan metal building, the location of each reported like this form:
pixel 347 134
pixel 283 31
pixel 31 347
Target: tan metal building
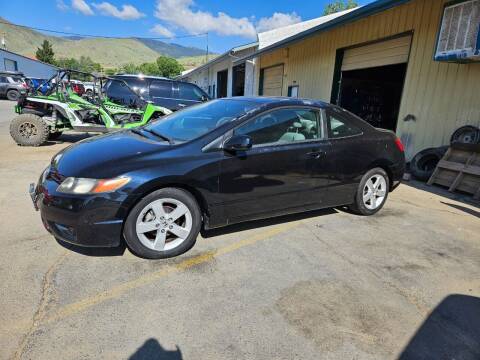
pixel 382 62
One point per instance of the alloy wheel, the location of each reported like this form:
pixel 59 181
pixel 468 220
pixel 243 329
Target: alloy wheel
pixel 164 224
pixel 27 129
pixel 374 192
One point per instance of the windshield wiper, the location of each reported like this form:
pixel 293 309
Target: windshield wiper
pixel 157 134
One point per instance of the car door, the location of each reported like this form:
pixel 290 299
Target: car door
pixel 283 171
pixel 188 94
pixel 161 93
pixel 3 85
pixel 349 153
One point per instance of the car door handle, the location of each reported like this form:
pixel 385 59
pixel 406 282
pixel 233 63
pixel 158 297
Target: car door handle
pixel 316 154
pixel 182 105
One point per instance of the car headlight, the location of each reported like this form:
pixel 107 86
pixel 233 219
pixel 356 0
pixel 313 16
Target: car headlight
pixel 73 185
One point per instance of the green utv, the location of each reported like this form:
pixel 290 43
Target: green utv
pixel 45 116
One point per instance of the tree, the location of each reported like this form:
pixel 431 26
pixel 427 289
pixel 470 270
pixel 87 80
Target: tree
pixel 45 53
pixel 168 67
pixel 129 68
pixel 149 69
pixel 339 5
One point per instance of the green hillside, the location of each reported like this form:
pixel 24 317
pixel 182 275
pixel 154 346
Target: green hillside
pixel 189 62
pixel 108 52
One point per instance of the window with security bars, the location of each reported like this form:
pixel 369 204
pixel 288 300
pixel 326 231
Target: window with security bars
pixel 458 39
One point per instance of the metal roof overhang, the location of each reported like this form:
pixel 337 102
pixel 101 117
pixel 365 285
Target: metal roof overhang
pixel 360 13
pixel 219 58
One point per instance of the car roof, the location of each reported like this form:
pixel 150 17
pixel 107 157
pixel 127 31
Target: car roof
pixel 141 76
pixel 281 101
pixel 11 73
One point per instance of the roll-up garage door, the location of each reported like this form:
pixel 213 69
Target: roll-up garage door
pixel 272 81
pixel 388 52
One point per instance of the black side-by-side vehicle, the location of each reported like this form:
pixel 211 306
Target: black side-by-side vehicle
pixel 215 164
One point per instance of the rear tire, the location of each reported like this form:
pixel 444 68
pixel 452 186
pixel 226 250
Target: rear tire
pixel 29 130
pixel 372 192
pixel 13 95
pixel 163 224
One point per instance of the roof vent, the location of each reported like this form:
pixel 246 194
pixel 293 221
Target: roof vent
pixel 459 37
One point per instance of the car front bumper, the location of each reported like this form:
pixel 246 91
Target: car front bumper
pixel 82 220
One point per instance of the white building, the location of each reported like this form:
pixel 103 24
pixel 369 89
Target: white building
pixel 226 76
pixel 10 61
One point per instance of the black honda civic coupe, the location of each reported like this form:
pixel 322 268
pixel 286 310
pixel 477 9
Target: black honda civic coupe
pixel 214 164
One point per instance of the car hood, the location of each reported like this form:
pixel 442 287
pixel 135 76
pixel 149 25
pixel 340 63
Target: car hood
pixel 108 155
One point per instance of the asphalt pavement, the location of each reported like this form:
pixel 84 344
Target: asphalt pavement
pixel 321 285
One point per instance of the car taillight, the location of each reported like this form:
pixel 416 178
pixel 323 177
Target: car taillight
pixel 399 145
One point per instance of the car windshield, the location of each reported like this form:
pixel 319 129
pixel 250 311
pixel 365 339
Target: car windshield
pixel 195 121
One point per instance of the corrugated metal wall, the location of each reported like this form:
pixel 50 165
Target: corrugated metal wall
pixel 29 67
pixel 441 96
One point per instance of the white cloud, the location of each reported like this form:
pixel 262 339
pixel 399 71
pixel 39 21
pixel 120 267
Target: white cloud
pixel 82 6
pixel 277 20
pixel 128 12
pixel 181 13
pixel 61 5
pixel 162 31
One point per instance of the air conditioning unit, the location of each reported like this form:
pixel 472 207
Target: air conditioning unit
pixel 459 36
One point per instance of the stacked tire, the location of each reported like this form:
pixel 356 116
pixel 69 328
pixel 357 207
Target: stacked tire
pixel 424 163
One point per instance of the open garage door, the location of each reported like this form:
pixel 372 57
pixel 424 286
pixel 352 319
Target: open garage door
pixel 389 52
pixel 372 78
pixel 271 82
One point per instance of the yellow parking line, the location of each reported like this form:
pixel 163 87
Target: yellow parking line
pixel 116 291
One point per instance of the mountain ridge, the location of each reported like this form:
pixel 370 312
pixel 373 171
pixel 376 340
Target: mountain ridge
pixel 110 53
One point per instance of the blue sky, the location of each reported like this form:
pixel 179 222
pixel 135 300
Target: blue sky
pixel 229 23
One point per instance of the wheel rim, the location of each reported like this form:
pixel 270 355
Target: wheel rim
pixel 164 224
pixel 27 129
pixel 374 192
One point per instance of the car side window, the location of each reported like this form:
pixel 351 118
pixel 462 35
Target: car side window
pixel 339 127
pixel 189 92
pixel 162 89
pixel 282 126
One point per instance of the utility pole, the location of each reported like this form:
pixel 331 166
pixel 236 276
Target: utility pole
pixel 206 57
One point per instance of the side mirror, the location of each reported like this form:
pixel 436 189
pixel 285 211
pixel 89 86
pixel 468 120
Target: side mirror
pixel 238 143
pixel 204 98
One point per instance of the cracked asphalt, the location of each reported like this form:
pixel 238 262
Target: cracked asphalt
pixel 323 285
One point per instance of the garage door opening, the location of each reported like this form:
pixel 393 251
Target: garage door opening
pixel 238 83
pixel 374 94
pixel 370 80
pixel 222 81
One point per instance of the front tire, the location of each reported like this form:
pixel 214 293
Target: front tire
pixel 29 130
pixel 163 224
pixel 372 192
pixel 13 95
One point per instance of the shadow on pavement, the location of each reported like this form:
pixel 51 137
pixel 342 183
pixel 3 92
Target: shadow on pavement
pixel 442 191
pixel 463 208
pixel 249 225
pixel 94 251
pixel 451 331
pixel 120 250
pixel 69 138
pixel 152 350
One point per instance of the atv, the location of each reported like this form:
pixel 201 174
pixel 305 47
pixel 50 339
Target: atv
pixel 43 117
